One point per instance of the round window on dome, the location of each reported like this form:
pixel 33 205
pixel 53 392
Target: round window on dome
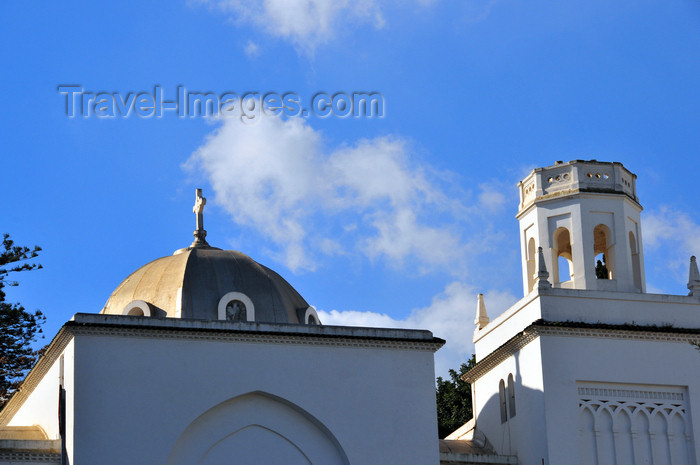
pixel 311 317
pixel 137 308
pixel 236 307
pixel 236 311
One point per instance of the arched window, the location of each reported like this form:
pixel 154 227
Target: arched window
pixel 636 266
pixel 311 317
pixel 236 307
pixel 502 398
pixel 236 311
pixel 603 251
pixel 511 396
pixel 563 260
pixel 531 268
pixel 137 308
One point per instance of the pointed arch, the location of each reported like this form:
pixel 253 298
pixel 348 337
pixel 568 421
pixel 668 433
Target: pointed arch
pixel 640 428
pixel 659 439
pixel 252 436
pixel 679 445
pixel 624 445
pixel 587 440
pixel 257 427
pixel 604 434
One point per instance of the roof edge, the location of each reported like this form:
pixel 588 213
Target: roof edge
pixel 540 327
pixel 183 324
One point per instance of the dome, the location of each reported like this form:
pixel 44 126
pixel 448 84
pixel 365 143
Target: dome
pixel 204 282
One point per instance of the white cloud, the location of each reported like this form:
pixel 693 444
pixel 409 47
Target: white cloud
pixel 672 236
pixel 450 316
pixel 491 197
pixel 401 234
pixel 264 175
pixel 251 49
pixel 671 226
pixel 478 10
pixel 371 197
pixel 306 23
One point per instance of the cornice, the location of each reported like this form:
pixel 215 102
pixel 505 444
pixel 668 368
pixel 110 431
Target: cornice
pixel 499 355
pixel 20 456
pixel 576 329
pixel 259 337
pixel 624 331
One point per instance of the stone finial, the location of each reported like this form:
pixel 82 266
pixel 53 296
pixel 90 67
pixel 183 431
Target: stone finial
pixel 482 319
pixel 694 278
pixel 199 234
pixel 542 279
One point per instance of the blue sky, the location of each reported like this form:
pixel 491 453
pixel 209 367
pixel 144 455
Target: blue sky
pixel 398 220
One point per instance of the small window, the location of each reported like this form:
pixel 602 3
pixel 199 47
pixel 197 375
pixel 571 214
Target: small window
pixel 236 311
pixel 502 398
pixel 236 307
pixel 137 308
pixel 636 267
pixel 311 316
pixel 511 396
pixel 531 260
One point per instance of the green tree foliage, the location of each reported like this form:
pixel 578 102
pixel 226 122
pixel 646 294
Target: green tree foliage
pixel 18 328
pixel 454 400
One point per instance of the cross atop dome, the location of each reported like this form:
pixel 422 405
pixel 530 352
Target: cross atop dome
pixel 200 233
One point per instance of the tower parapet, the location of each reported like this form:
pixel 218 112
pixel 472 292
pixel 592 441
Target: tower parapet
pixel 563 179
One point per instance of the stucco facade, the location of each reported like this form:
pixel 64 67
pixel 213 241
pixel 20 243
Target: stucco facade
pixel 143 390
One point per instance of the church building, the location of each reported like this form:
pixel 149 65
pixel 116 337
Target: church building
pixel 208 357
pixel 587 368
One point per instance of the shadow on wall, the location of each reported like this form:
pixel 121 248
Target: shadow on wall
pixel 513 419
pixel 257 428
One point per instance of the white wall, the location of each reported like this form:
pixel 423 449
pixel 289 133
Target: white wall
pixel 135 396
pixel 548 372
pixel 41 408
pixel 567 360
pixel 524 434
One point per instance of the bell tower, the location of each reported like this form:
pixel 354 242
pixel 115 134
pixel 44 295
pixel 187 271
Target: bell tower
pixel 586 217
